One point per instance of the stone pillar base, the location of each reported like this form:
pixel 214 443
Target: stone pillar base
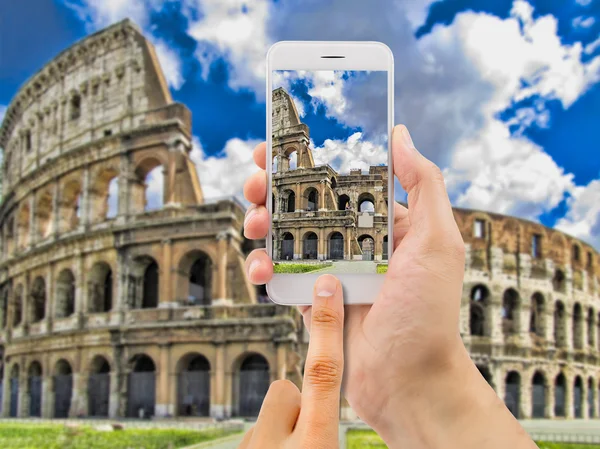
pixel 164 410
pixel 222 302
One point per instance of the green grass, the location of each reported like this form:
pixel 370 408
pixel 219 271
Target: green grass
pixel 298 267
pixel 381 268
pixel 363 439
pixel 45 436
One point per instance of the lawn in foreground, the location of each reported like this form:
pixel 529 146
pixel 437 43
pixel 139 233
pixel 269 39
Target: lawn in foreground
pixel 382 268
pixel 298 267
pixel 45 436
pixel 360 439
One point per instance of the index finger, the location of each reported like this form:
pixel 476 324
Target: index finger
pixel 260 155
pixel 325 361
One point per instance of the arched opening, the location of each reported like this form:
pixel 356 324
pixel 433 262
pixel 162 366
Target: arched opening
pixel 384 254
pixel 34 384
pixel 63 388
pixel 98 391
pixel 199 292
pixel 559 281
pixel 591 398
pixel 43 214
pixel 538 312
pixel 510 312
pixel 309 246
pixel 512 397
pixel 289 201
pixel 486 374
pixel 577 326
pixel 560 335
pixel 70 207
pixel 150 291
pixel 538 395
pixel 311 196
pixel 591 325
pixel 193 388
pixel 104 195
pixel 344 202
pixel 287 246
pixel 578 397
pixel 65 294
pixel 38 300
pixel 576 252
pixel 560 392
pixel 141 388
pixel 478 311
pixel 100 288
pixel 254 380
pixel 336 246
pixel 154 189
pixel 367 246
pixel 14 392
pixel 366 203
pixel 17 316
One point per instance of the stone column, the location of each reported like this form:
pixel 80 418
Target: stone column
pixel 525 400
pixel 165 277
pixel 50 290
pixel 299 205
pixel 222 249
pixel 569 396
pixel 495 316
pixel 524 319
pixel 348 255
pixel 584 399
pixel 218 408
pixel 124 188
pixel 298 245
pixel 116 406
pixel 56 212
pixel 47 396
pixel 323 186
pixel 121 276
pixel 84 204
pixel 322 252
pixel 23 409
pixel 164 406
pixel 549 392
pixel 79 398
pixel 5 406
pixel 568 327
pixel 32 220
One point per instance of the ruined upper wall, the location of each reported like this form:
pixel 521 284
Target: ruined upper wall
pixel 99 87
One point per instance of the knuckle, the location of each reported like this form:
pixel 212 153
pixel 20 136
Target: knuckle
pixel 324 372
pixel 326 317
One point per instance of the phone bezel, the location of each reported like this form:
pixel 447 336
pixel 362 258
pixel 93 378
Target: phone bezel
pixel 297 289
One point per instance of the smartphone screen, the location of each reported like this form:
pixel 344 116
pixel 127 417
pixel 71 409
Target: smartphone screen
pixel 329 171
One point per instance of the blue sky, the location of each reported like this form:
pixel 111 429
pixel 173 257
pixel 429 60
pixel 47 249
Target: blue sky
pixel 503 95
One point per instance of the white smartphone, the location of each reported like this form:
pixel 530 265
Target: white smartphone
pixel 331 187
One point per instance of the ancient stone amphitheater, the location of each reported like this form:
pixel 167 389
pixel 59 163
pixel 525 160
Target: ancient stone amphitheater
pixel 113 307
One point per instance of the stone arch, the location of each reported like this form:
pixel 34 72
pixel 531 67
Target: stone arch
pixel 311 199
pixel 335 244
pixel 560 323
pixel 13 403
pixel 34 388
pixel 511 309
pixel 559 281
pixel 577 326
pixel 148 192
pixel 538 395
pixel 65 294
pixel 98 387
pixel 193 385
pixel 560 396
pixel 252 382
pixel 310 245
pixel 288 198
pixel 287 246
pixel 37 309
pixel 344 202
pixel 62 388
pixel 578 397
pixel 43 213
pixel 70 205
pixel 512 396
pixel 576 253
pixel 366 202
pixel 367 246
pixel 479 324
pixel 141 387
pixel 104 194
pixel 537 322
pixel 100 288
pixel 144 283
pixel 17 311
pixel 197 268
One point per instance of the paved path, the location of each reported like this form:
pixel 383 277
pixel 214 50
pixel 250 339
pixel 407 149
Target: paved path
pixel 347 266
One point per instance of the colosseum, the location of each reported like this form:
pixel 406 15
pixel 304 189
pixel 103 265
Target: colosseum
pixel 113 307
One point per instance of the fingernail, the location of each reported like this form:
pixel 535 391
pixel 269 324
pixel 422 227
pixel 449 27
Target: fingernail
pixel 407 139
pixel 326 286
pixel 252 268
pixel 251 212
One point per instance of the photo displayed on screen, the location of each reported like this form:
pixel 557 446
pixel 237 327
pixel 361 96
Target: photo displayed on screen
pixel 330 171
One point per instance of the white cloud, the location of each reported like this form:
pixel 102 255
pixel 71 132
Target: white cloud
pixel 343 155
pixel 98 14
pixel 225 174
pixel 592 46
pixel 583 2
pixel 113 198
pixel 154 188
pixel 583 22
pixel 583 218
